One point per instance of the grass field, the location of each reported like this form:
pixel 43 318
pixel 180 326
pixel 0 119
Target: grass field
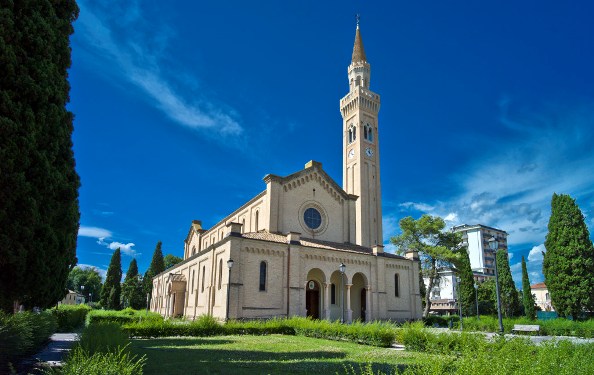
pixel 274 354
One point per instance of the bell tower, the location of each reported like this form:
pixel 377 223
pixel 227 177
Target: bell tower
pixel 361 172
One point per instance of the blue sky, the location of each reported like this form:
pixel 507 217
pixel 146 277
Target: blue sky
pixel 182 107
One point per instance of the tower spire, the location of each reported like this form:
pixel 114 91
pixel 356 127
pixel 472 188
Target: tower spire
pixel 358 50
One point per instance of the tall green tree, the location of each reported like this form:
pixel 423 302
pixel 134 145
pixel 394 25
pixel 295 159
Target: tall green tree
pixel 568 264
pixel 467 292
pixel 111 291
pixel 132 288
pixel 157 266
pixel 171 260
pixel 435 246
pixel 39 214
pixel 527 297
pixel 88 277
pixel 487 298
pixel 510 304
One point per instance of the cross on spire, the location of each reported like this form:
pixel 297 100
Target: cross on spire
pixel 358 18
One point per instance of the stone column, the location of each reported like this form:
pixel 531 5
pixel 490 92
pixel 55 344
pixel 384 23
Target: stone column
pixel 327 301
pixel 368 314
pixel 349 312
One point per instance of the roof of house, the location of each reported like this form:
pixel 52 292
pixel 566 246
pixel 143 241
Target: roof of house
pixel 538 286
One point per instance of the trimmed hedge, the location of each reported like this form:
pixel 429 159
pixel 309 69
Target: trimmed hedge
pixel 121 317
pixel 70 317
pixel 376 334
pixel 23 333
pixel 553 327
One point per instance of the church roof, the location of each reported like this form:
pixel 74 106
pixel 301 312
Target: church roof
pixel 358 50
pixel 315 243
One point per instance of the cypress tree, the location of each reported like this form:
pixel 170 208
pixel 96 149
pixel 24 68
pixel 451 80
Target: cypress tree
pixel 568 264
pixel 510 304
pixel 467 297
pixel 111 291
pixel 527 297
pixel 132 289
pixel 157 266
pixel 487 298
pixel 38 183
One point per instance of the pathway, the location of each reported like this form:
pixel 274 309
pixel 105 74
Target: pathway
pixel 50 356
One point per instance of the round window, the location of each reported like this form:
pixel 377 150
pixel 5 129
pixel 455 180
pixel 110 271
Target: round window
pixel 312 218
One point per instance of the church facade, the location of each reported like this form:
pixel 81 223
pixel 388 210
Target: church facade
pixel 304 246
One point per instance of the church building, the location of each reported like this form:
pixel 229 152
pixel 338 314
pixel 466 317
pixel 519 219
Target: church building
pixel 304 246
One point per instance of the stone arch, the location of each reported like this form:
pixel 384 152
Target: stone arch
pixel 176 292
pixel 314 296
pixel 338 308
pixel 360 298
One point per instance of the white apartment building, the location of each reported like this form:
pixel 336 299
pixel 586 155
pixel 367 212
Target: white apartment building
pixel 476 238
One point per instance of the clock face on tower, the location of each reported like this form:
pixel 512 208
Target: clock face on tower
pixel 351 153
pixel 369 151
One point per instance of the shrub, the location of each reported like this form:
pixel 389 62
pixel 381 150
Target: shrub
pixel 202 326
pixel 118 362
pixel 23 333
pixel 121 317
pixel 375 333
pixel 103 337
pixel 70 317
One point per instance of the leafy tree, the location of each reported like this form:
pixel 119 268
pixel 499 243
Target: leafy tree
pixel 527 297
pixel 568 264
pixel 111 291
pixel 171 260
pixel 510 304
pixel 132 289
pixel 422 287
pixel 157 266
pixel 39 214
pixel 467 296
pixel 436 246
pixel 487 298
pixel 88 277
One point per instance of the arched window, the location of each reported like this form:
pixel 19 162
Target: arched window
pixel 333 294
pixel 352 134
pixel 220 273
pixel 358 81
pixel 203 273
pixel 262 276
pixel 193 278
pixel 396 285
pixel 193 250
pixel 368 132
pixel 242 225
pixel 256 220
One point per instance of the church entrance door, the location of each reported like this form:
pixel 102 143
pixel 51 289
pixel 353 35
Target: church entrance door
pixel 312 299
pixel 363 303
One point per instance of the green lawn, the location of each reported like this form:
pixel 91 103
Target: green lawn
pixel 274 354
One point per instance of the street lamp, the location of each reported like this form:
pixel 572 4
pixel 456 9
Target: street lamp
pixel 476 300
pixel 342 268
pixel 494 245
pixel 229 265
pixel 458 279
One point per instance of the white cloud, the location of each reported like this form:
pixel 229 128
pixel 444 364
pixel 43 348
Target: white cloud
pixel 120 38
pixel 451 218
pixel 126 248
pixel 94 232
pixel 423 207
pixel 535 254
pixel 510 255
